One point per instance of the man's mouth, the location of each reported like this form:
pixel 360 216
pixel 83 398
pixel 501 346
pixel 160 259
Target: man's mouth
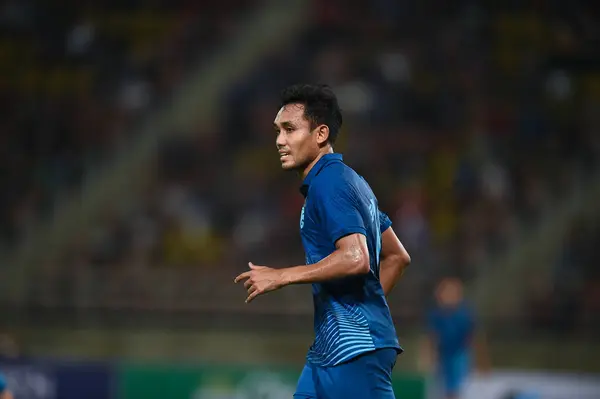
pixel 283 155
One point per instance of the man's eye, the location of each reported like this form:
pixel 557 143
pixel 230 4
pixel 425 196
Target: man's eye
pixel 289 129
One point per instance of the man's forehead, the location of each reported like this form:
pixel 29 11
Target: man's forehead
pixel 290 112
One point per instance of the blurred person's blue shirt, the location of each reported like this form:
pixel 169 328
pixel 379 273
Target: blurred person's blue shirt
pixel 452 329
pixel 352 316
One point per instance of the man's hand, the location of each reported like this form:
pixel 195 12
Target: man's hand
pixel 260 280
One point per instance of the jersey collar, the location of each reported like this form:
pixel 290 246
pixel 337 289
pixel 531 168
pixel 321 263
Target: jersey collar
pixel 316 169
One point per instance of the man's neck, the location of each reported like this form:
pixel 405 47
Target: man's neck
pixel 306 170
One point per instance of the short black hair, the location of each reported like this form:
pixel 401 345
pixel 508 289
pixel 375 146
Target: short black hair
pixel 320 105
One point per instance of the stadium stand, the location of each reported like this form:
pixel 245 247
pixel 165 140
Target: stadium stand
pixel 76 78
pixel 460 149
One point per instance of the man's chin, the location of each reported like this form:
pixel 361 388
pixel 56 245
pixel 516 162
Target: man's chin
pixel 288 166
pixel 287 163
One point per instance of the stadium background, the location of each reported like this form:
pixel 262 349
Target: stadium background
pixel 139 176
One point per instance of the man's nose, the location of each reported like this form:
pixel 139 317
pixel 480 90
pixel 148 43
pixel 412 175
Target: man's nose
pixel 280 140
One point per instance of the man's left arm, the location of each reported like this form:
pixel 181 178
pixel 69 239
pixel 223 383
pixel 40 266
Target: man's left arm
pixel 393 258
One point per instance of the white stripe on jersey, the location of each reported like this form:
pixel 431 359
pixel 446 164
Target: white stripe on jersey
pixel 342 333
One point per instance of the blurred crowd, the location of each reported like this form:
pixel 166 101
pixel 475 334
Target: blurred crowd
pixel 77 77
pixel 569 300
pixel 465 119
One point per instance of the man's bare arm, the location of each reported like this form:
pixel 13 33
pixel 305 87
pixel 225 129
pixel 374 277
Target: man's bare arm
pixel 350 258
pixel 393 260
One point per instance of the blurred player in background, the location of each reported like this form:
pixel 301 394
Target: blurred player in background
pixel 4 392
pixel 452 340
pixel 353 257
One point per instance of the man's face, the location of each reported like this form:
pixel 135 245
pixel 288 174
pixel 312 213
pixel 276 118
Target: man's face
pixel 296 143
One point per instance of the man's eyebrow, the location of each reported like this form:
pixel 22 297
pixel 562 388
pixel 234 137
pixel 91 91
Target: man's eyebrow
pixel 283 124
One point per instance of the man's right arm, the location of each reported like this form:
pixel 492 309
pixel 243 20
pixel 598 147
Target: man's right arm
pixel 393 260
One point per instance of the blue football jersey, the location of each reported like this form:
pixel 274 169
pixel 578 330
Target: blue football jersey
pixel 352 316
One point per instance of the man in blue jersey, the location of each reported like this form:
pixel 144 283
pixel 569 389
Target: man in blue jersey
pixel 353 257
pixel 452 338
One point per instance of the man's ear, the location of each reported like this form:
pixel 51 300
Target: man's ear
pixel 322 132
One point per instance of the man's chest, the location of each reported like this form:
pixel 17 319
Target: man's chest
pixel 314 238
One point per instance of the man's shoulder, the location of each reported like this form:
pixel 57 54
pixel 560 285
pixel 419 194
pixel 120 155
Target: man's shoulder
pixel 336 175
pixel 331 185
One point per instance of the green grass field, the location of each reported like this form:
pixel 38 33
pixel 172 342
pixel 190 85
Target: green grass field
pixel 242 347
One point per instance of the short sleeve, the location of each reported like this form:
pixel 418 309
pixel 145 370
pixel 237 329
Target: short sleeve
pixel 339 209
pixel 384 222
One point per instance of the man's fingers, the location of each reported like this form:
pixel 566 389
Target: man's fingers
pixel 251 289
pixel 248 283
pixel 252 296
pixel 242 277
